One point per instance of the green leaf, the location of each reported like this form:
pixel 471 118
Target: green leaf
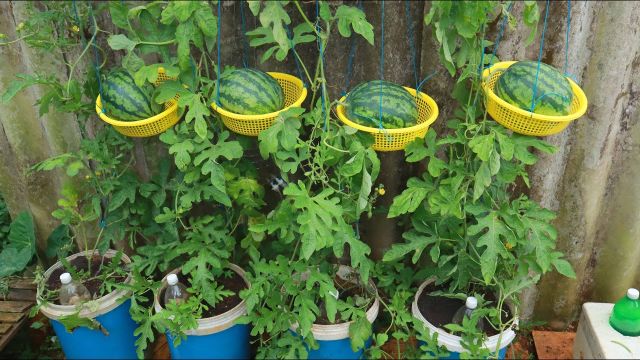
pixel 73 321
pixel 564 268
pixel 359 332
pixel 482 180
pixel 197 109
pixel 182 153
pixel 491 240
pixel 274 16
pixel 16 86
pixel 415 241
pixel 216 171
pixel 118 12
pixel 482 145
pixel 207 22
pixel 121 42
pixel 409 200
pixel 352 17
pixel 57 241
pixel 21 245
pixel 254 6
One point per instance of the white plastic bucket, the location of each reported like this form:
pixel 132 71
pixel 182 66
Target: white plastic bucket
pixel 214 324
pixel 452 342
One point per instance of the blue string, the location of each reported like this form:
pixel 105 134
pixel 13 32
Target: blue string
pixel 245 48
pixel 218 65
pixel 499 37
pixel 535 84
pixel 424 81
pixel 381 63
pixel 412 45
pixel 322 95
pixel 566 41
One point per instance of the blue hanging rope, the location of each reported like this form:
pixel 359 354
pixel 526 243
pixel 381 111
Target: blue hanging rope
pixel 218 65
pixel 381 64
pixel 352 54
pixel 499 37
pixel 321 48
pixel 412 44
pixel 535 83
pixel 245 45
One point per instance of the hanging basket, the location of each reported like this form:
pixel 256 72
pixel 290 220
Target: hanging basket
pixel 252 125
pixel 397 139
pixel 146 127
pixel 523 121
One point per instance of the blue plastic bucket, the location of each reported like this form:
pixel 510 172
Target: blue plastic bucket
pixel 333 340
pixel 217 337
pixel 452 342
pixel 115 342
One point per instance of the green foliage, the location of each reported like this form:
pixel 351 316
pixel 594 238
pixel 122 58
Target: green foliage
pixel 20 246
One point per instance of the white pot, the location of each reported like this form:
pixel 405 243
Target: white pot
pixel 453 342
pixel 341 331
pixel 89 309
pixel 214 324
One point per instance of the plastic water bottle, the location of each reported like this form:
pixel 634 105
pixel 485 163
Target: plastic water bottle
pixel 466 311
pixel 176 291
pixel 625 317
pixel 72 292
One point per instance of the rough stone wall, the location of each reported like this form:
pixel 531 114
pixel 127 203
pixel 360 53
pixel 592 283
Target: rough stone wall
pixel 589 181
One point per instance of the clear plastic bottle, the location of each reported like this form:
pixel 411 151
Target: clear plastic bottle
pixel 176 291
pixel 72 292
pixel 625 317
pixel 466 311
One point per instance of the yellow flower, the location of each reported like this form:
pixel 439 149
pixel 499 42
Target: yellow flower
pixel 508 246
pixel 75 28
pixel 381 191
pixel 2 36
pixel 20 26
pixel 98 173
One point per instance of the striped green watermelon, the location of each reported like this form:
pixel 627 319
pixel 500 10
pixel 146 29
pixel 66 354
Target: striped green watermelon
pixel 399 108
pixel 553 92
pixel 250 92
pixel 123 100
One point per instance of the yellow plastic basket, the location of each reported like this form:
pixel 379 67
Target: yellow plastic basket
pixel 522 121
pixel 398 139
pixel 147 127
pixel 252 125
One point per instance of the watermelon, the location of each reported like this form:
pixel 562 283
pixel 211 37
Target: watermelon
pixel 123 100
pixel 250 92
pixel 399 108
pixel 553 92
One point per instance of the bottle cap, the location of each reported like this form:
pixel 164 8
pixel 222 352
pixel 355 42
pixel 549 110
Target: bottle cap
pixel 471 303
pixel 172 279
pixel 65 278
pixel 633 294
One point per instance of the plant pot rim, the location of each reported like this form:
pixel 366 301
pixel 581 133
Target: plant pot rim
pixel 341 330
pixel 453 342
pixel 213 324
pixel 89 309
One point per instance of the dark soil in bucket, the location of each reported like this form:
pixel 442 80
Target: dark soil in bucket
pixel 81 265
pixel 439 310
pixel 233 283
